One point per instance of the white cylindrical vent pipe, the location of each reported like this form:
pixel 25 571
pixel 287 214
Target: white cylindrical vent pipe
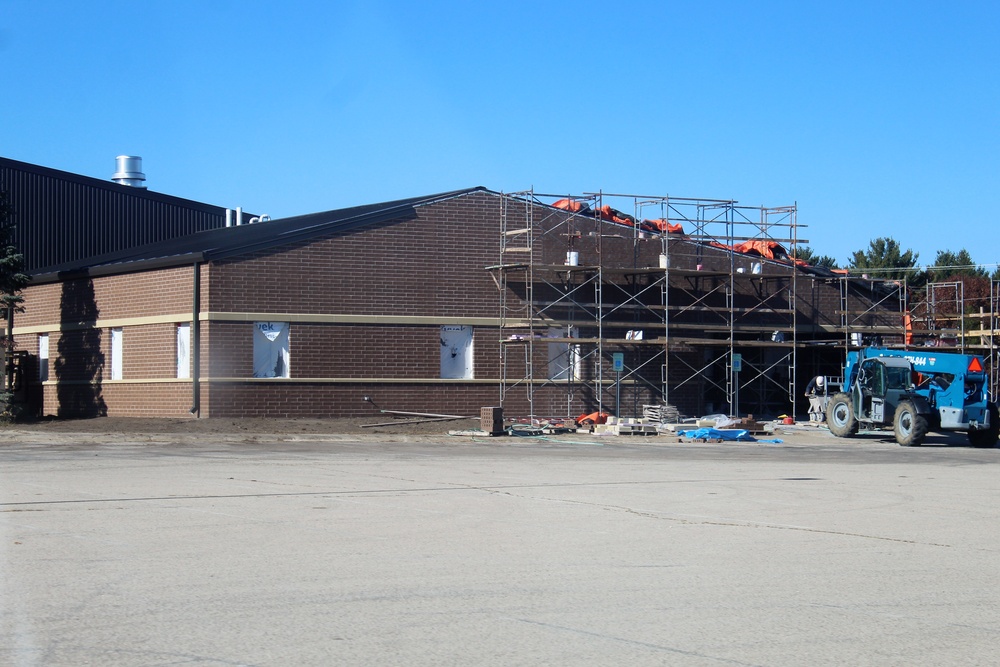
pixel 129 171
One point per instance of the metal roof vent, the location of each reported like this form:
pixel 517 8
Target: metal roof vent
pixel 129 171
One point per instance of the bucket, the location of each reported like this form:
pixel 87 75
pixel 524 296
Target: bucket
pixel 572 258
pixel 788 421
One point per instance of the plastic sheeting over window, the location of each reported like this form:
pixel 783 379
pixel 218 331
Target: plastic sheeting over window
pixel 43 357
pixel 116 354
pixel 564 358
pixel 184 350
pixel 456 352
pixel 270 350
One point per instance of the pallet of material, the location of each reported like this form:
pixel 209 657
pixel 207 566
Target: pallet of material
pixel 626 427
pixel 754 427
pixel 634 429
pixel 660 414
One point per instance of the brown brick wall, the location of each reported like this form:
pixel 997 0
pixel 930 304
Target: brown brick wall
pixel 148 352
pixel 118 400
pixel 227 349
pixel 345 351
pixel 41 305
pixel 80 358
pixel 381 351
pixel 282 399
pixel 129 295
pixel 80 355
pixel 430 265
pixel 80 372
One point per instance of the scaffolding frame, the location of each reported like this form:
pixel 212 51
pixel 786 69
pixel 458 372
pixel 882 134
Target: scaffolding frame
pixel 863 304
pixel 941 315
pixel 992 354
pixel 743 351
pixel 742 322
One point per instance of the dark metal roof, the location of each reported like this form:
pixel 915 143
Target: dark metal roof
pixel 239 240
pixel 61 217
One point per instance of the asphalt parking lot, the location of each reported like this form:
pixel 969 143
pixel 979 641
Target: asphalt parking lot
pixel 147 549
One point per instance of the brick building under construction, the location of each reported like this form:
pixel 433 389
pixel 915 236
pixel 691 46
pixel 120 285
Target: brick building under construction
pixel 550 306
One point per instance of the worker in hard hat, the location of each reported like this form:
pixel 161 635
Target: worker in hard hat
pixel 816 392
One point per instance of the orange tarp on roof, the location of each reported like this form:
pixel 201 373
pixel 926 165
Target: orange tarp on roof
pixel 614 215
pixel 769 249
pixel 570 205
pixel 663 226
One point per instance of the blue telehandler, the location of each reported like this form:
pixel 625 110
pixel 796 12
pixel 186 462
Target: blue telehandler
pixel 913 392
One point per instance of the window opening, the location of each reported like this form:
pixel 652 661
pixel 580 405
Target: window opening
pixel 43 357
pixel 116 354
pixel 564 357
pixel 184 350
pixel 271 354
pixel 456 352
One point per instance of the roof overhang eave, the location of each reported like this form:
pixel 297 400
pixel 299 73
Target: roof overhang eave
pixel 119 268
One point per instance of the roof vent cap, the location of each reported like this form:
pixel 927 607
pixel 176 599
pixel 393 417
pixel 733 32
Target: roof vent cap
pixel 129 171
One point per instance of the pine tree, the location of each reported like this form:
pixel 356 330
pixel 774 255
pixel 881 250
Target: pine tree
pixel 806 254
pixel 951 264
pixel 12 279
pixel 885 259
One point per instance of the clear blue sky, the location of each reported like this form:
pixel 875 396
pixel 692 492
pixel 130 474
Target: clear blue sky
pixel 877 118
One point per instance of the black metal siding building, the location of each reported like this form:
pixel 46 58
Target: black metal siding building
pixel 62 217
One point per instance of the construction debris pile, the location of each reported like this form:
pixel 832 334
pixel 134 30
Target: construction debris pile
pixel 656 420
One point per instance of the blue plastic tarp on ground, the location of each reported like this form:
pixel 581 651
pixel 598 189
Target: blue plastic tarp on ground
pixel 734 434
pixel 731 434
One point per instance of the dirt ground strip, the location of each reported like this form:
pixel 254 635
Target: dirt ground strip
pixel 291 429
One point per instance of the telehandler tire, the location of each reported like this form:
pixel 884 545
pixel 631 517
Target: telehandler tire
pixel 909 425
pixel 987 437
pixel 840 418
